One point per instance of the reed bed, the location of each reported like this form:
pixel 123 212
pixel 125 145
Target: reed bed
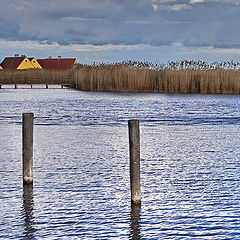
pixel 36 76
pixel 173 77
pixel 123 78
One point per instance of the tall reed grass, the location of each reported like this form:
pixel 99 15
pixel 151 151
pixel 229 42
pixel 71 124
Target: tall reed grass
pixel 122 78
pixel 36 76
pixel 174 77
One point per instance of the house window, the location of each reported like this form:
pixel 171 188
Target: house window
pixel 25 60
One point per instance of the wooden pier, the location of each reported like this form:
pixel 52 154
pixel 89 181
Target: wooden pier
pixel 34 86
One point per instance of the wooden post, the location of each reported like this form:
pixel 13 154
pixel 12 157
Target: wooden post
pixel 0 86
pixel 46 86
pixel 15 86
pixel 134 145
pixel 27 148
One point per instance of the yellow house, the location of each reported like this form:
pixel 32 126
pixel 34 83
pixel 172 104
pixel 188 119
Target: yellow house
pixel 35 63
pixel 1 68
pixel 16 63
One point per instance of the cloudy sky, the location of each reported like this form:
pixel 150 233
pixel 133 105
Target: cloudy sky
pixel 117 30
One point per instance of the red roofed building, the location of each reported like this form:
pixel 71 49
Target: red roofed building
pixel 57 63
pixel 11 63
pixel 35 63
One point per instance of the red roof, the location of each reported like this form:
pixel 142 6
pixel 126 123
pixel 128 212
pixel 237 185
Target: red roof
pixel 57 63
pixel 11 62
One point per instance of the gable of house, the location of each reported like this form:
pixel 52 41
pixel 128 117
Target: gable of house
pixel 16 63
pixel 25 64
pixel 57 63
pixel 35 63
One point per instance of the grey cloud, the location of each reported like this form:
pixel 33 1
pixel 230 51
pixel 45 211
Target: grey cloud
pixel 214 23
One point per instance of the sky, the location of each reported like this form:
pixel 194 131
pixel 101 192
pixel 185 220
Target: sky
pixel 121 30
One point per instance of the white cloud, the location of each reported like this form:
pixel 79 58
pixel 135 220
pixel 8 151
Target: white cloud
pixel 178 7
pixel 196 1
pixel 138 22
pixel 44 46
pixel 157 4
pixel 163 1
pixel 76 19
pixel 94 25
pixel 87 53
pixel 236 2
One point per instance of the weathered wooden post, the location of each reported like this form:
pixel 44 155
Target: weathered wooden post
pixel 15 86
pixel 134 147
pixel 46 86
pixel 27 148
pixel 0 86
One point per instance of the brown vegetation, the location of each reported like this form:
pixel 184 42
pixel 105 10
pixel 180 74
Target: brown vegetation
pixel 36 76
pixel 178 77
pixel 123 78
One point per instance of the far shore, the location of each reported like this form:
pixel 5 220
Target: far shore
pixel 133 77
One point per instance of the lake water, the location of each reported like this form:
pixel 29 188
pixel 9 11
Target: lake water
pixel 190 166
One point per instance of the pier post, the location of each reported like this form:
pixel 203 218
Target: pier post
pixel 0 86
pixel 134 147
pixel 46 86
pixel 27 148
pixel 15 86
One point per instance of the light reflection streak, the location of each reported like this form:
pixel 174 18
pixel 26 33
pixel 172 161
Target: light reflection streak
pixel 135 222
pixel 27 212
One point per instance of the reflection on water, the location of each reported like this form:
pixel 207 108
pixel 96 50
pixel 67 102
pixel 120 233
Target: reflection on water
pixel 190 166
pixel 59 107
pixel 135 222
pixel 27 212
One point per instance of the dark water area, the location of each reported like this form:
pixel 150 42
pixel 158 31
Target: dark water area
pixel 74 108
pixel 190 166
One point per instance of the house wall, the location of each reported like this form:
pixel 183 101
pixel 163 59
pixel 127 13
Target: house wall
pixel 1 68
pixel 25 64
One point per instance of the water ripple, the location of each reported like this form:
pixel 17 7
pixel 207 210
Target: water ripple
pixel 190 168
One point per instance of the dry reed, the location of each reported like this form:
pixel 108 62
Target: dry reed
pixel 122 78
pixel 36 76
pixel 179 77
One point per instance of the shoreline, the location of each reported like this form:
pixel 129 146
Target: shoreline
pixel 127 79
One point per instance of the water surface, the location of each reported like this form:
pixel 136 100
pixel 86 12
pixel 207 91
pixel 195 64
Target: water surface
pixel 190 166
